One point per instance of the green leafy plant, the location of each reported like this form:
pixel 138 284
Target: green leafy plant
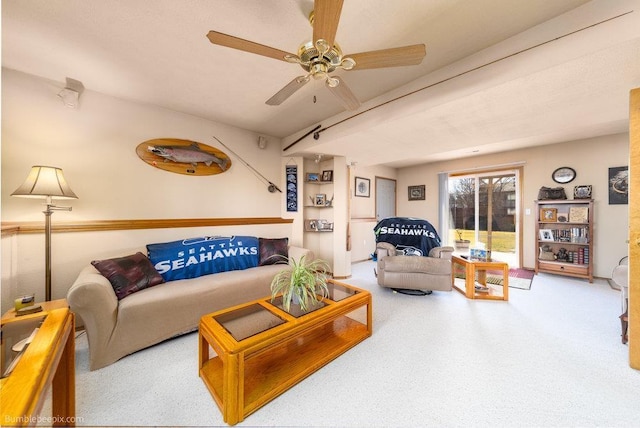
pixel 306 280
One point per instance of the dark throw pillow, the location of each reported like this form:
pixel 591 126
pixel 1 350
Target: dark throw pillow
pixel 273 251
pixel 129 274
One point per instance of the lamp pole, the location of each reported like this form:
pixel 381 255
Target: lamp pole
pixel 47 245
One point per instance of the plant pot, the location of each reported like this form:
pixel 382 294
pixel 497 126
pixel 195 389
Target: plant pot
pixel 461 244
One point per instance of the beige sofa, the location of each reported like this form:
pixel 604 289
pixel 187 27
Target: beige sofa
pixel 116 328
pixel 414 272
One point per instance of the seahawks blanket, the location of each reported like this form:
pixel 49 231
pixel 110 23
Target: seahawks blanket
pixel 411 236
pixel 191 258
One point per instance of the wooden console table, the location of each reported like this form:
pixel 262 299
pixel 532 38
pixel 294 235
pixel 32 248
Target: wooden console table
pixel 476 274
pixel 48 362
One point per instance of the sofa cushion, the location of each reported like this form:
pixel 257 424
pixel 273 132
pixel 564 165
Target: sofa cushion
pixel 194 257
pixel 129 274
pixel 273 251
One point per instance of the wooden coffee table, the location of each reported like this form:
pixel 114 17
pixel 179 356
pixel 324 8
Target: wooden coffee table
pixel 476 275
pixel 262 350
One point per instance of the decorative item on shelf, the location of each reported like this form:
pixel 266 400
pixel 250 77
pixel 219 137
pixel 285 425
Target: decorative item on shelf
pixel 551 193
pixel 324 226
pixel 563 175
pixel 417 193
pixel 582 192
pixel 320 199
pixel 327 175
pixel 548 214
pixel 329 202
pixel 312 177
pixel 562 255
pixel 546 235
pixel 563 217
pixel 46 182
pixel 362 187
pixel 311 225
pixel 619 185
pixel 304 284
pixel 578 214
pixel 461 244
pixel 546 253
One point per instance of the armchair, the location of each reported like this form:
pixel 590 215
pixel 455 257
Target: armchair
pixel 401 272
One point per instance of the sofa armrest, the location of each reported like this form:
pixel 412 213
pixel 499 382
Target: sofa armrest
pixel 441 252
pixel 92 298
pixel 296 253
pixel 384 249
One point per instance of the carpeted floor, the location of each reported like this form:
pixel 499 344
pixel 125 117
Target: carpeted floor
pixel 549 357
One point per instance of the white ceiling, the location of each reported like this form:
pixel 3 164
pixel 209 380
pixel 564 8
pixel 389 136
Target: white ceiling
pixel 484 86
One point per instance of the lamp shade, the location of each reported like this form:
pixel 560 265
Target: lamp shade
pixel 45 181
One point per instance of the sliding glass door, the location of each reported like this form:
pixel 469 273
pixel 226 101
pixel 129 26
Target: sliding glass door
pixel 483 210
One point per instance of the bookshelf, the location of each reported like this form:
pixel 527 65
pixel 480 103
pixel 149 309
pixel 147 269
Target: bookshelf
pixel 564 237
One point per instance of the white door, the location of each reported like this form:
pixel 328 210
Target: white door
pixel 385 198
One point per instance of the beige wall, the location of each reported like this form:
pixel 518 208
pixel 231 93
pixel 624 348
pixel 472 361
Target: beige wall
pixel 591 159
pixel 95 145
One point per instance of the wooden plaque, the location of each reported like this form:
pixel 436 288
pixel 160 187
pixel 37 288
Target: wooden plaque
pixel 183 156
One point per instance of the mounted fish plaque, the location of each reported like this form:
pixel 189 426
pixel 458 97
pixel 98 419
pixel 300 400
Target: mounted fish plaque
pixel 183 156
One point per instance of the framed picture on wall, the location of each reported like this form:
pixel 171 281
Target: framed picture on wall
pixel 619 185
pixel 417 193
pixel 363 186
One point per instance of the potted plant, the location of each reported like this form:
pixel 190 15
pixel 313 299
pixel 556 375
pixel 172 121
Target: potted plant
pixel 461 244
pixel 305 283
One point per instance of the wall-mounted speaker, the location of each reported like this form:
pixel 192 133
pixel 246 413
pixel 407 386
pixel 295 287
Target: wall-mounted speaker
pixel 262 142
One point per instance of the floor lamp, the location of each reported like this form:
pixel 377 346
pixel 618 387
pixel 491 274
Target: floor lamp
pixel 46 182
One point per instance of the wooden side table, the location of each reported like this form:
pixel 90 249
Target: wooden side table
pixel 476 271
pixel 48 362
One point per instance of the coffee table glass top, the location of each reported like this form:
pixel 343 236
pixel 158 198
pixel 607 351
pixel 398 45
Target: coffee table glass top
pixel 248 321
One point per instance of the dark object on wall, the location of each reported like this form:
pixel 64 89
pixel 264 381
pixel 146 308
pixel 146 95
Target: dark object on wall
pixel 363 186
pixel 619 185
pixel 548 193
pixel 563 175
pixel 417 193
pixel 292 187
pixel 411 236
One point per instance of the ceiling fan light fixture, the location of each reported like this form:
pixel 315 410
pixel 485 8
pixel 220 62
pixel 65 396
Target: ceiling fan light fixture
pixel 347 63
pixel 331 82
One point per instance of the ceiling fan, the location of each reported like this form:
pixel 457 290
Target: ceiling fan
pixel 321 56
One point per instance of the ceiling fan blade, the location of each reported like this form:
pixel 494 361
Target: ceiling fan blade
pixel 245 45
pixel 326 16
pixel 287 91
pixel 393 57
pixel 344 94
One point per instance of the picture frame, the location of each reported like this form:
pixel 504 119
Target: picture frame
pixel 417 193
pixel 619 185
pixel 312 177
pixel 363 187
pixel 320 199
pixel 546 235
pixel 579 214
pixel 311 225
pixel 582 192
pixel 327 175
pixel 549 214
